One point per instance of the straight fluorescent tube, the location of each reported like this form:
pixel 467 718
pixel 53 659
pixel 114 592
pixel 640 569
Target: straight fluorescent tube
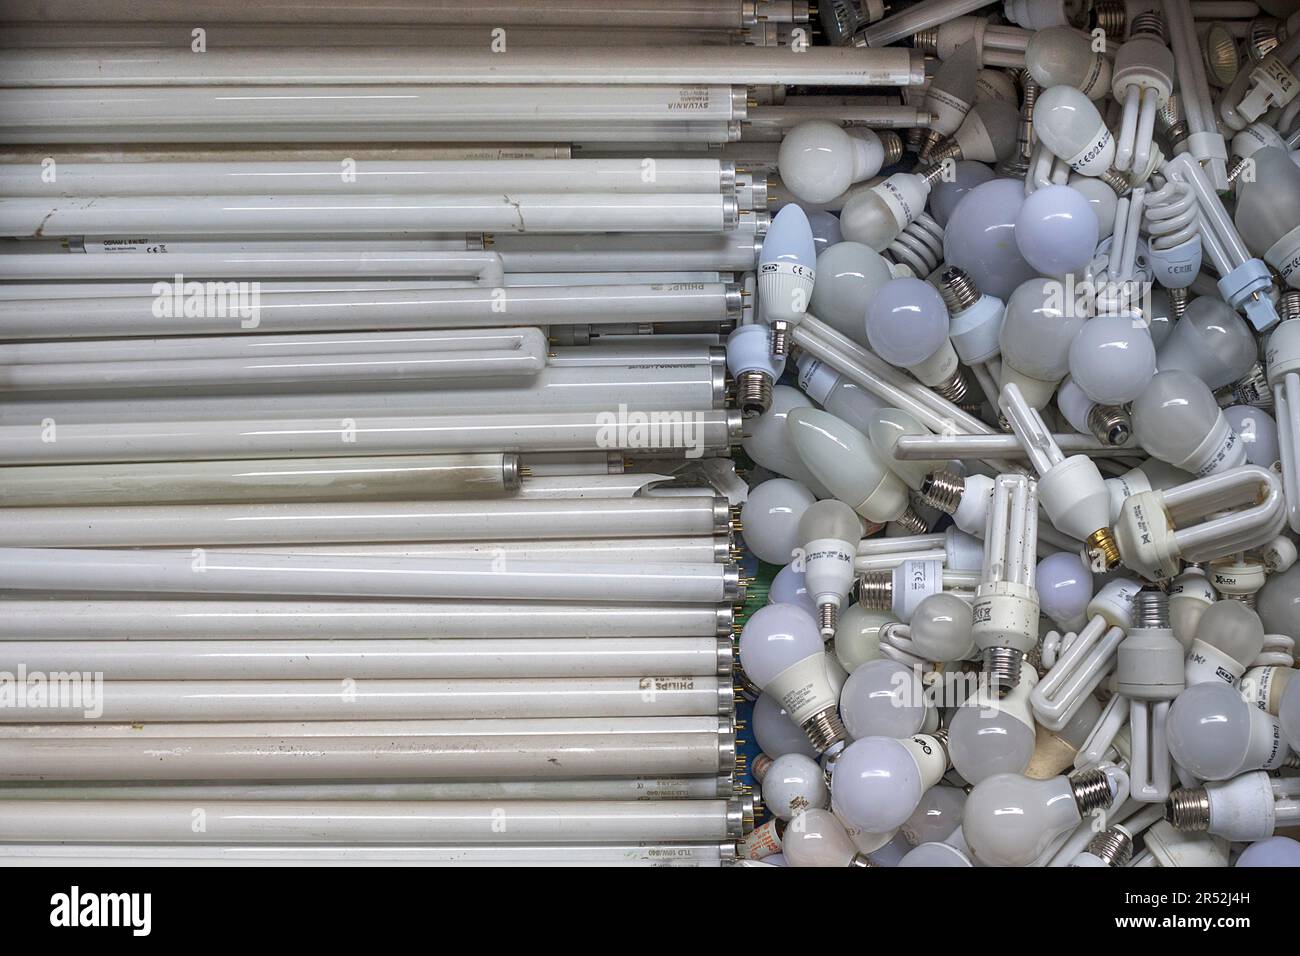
pixel 699 549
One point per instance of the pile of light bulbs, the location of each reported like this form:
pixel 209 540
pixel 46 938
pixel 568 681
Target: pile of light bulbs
pixel 1069 440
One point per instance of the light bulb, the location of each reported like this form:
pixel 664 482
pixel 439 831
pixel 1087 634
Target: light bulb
pixel 1109 424
pixel 818 838
pixel 857 636
pixel 907 326
pixel 887 426
pixel 988 735
pixel 1289 714
pixel 1177 420
pixel 829 532
pixel 1035 340
pixel 1268 212
pixel 1112 359
pixel 1011 820
pixel 946 193
pixel 1278 603
pixel 793 783
pixel 754 367
pixel 1214 734
pixel 1144 80
pixel 1069 125
pixel 936 817
pixel 1190 596
pixel 819 161
pixel 1248 807
pixel 936 854
pixel 886 699
pixel 786 274
pixel 1006 603
pixel 1212 342
pixel 1057 230
pixel 1228 638
pixel 1064 56
pixel 768 440
pixel 1064 585
pixel 1273 852
pixel 775 733
pixel 789 587
pixel 1101 199
pixel 987 135
pixel 878 782
pixel 951 93
pixel 782 653
pixel 848 275
pixel 980 237
pixel 941 628
pixel 825 229
pixel 837 394
pixel 875 216
pixel 770 518
pixel 843 460
pixel 1257 431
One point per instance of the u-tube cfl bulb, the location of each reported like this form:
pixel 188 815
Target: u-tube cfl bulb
pixel 1006 602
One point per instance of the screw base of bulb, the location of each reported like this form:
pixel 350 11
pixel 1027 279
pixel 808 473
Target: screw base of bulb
pixel 1251 389
pixel 1002 667
pixel 1091 790
pixel 953 389
pixel 827 615
pixel 1188 809
pixel 1110 424
pixel 825 730
pixel 1103 550
pixel 1114 847
pixel 942 490
pixel 1177 302
pixel 876 590
pixel 780 337
pixel 860 861
pixel 1117 181
pixel 754 393
pixel 912 523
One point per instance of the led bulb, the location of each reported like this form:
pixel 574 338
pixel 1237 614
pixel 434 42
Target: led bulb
pixel 1289 713
pixel 980 237
pixel 789 587
pixel 770 518
pixel 775 733
pixel 1112 359
pixel 768 440
pixel 1229 636
pixel 878 782
pixel 1101 200
pixel 1257 431
pixel 1037 333
pixel 844 461
pixel 1057 230
pixel 1268 212
pixel 875 216
pixel 792 784
pixel 1011 820
pixel 907 326
pixel 946 193
pixel 884 698
pixel 829 533
pixel 752 365
pixel 941 628
pixel 1065 587
pixel 952 90
pixel 1214 734
pixel 1062 55
pixel 1069 125
pixel 818 838
pixel 857 636
pixel 819 161
pixel 825 229
pixel 936 817
pixel 1274 852
pixel 988 735
pixel 988 135
pixel 786 273
pixel 782 653
pixel 1212 342
pixel 1177 420
pixel 848 275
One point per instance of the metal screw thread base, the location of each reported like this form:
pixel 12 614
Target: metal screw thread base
pixel 1151 609
pixel 953 388
pixel 754 392
pixel 824 729
pixel 826 618
pixel 1178 302
pixel 1246 599
pixel 912 522
pixel 927 40
pixel 1101 544
pixel 1288 305
pixel 942 490
pixel 781 337
pixel 893 144
pixel 938 155
pixel 915 135
pixel 1111 18
pixel 1171 119
pixel 931 139
pixel 1292 762
pixel 1188 809
pixel 1116 181
pixel 1091 790
pixel 1149 23
pixel 1002 669
pixel 876 590
pixel 1235 167
pixel 1115 847
pixel 1110 424
pixel 958 290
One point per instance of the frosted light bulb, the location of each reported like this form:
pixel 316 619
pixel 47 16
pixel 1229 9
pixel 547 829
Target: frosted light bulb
pixel 836 394
pixel 789 587
pixel 941 628
pixel 951 93
pixel 1064 586
pixel 1289 714
pixel 818 160
pixel 829 533
pixel 875 216
pixel 857 636
pixel 1006 602
pixel 936 817
pixel 1257 431
pixel 886 427
pixel 934 854
pixel 818 838
pixel 1011 820
pixel 768 440
pixel 794 783
pixel 1278 603
pixel 1064 56
pixel 1275 851
pixel 988 135
pixel 775 733
pixel 1215 735
pixel 848 275
pixel 945 194
pixel 1069 125
pixel 907 326
pixel 1112 359
pixel 770 518
pixel 786 273
pixel 1057 230
pixel 1177 420
pixel 988 735
pixel 980 237
pixel 844 461
pixel 1212 342
pixel 1190 596
pixel 1228 638
pixel 754 367
pixel 1110 424
pixel 1268 213
pixel 884 698
pixel 1101 199
pixel 1036 336
pixel 825 229
pixel 878 782
pixel 782 653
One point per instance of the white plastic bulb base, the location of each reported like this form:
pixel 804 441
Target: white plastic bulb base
pixel 1075 497
pixel 784 290
pixel 828 575
pixel 805 692
pixel 1005 629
